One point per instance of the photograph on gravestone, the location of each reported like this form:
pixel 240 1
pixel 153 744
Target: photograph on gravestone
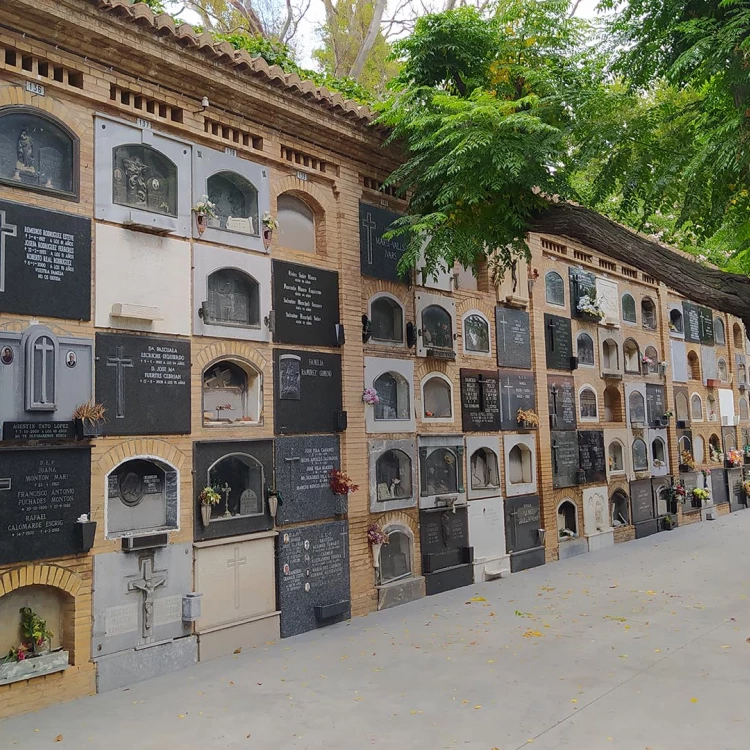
pixel 303 467
pixel 144 382
pixel 308 392
pixel 305 304
pixel 706 321
pixel 312 576
pixel 565 458
pixel 42 494
pixel 517 391
pixel 656 405
pixel 513 338
pixel 379 256
pixel 642 500
pixel 582 284
pixel 558 342
pixel 562 402
pixel 480 408
pixel 692 322
pixel 45 262
pixel 591 455
pixel 241 472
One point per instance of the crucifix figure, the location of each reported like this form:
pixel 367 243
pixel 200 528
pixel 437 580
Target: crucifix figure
pixel 120 361
pixel 10 230
pixel 226 489
pixel 369 225
pixel 235 562
pixel 147 585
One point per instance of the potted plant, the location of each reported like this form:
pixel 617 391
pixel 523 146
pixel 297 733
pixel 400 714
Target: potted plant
pixel 700 496
pixel 204 210
pixel 208 498
pixel 269 226
pixel 646 363
pixel 85 533
pixel 370 396
pixel 37 635
pixel 89 419
pixel 667 522
pixel 341 485
pixel 687 462
pixel 527 419
pixel 591 305
pixel 377 538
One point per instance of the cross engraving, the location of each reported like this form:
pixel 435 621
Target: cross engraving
pixel 369 225
pixel 501 321
pixel 554 392
pixel 235 562
pixel 481 384
pixel 120 361
pixel 555 469
pixel 507 388
pixel 551 335
pixel 10 230
pixel 147 585
pixel 44 346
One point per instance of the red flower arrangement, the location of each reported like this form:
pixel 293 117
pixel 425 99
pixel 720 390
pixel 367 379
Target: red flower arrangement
pixel 341 483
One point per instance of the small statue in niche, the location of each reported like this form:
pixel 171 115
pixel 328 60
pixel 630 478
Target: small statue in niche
pixel 136 183
pixel 25 152
pixel 514 275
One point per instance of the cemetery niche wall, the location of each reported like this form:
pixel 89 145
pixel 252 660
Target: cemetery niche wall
pixel 436 326
pixel 378 256
pixel 393 380
pixel 396 581
pixel 441 471
pixel 447 556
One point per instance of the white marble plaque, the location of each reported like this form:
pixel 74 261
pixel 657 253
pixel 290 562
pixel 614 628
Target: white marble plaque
pixel 121 619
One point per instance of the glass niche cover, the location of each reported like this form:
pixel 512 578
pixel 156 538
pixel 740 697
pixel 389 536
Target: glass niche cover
pixel 144 178
pixel 441 469
pixel 238 478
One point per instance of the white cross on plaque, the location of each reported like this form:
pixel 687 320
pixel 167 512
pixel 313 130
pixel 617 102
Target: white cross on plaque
pixel 369 225
pixel 43 346
pixel 10 230
pixel 120 361
pixel 235 562
pixel 508 388
pixel 501 321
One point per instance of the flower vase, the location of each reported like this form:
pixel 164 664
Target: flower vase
pixel 201 222
pixel 40 648
pixel 267 236
pixel 205 514
pixel 375 546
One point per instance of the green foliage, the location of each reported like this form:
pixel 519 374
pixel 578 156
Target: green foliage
pixel 156 5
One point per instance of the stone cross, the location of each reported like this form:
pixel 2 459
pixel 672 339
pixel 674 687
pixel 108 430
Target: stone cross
pixel 147 585
pixel 555 468
pixel 43 345
pixel 235 562
pixel 369 225
pixel 508 388
pixel 11 231
pixel 501 321
pixel 120 361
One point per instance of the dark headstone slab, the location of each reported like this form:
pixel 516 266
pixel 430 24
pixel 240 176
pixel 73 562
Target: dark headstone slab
pixel 561 395
pixel 690 480
pixel 513 337
pixel 38 431
pixel 305 304
pixel 565 458
pixel 646 528
pixel 517 391
pixel 522 523
pixel 641 501
pixel 144 382
pixel 692 321
pixel 656 404
pixel 45 262
pixel 42 493
pixel 444 536
pixel 303 466
pixel 527 559
pixel 737 499
pixel 591 455
pixel 581 284
pixel 558 342
pixel 307 392
pixel 242 465
pixel 660 487
pixel 379 257
pixel 480 405
pixel 448 579
pixel 312 577
pixel 719 486
pixel 706 325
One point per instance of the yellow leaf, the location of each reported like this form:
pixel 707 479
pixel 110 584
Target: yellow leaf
pixel 180 716
pixel 574 700
pixel 477 707
pixel 490 661
pixel 693 700
pixel 477 599
pixel 238 650
pixel 464 702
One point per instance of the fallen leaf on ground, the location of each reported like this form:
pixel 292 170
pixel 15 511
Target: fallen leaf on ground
pixel 59 738
pixel 238 650
pixel 476 599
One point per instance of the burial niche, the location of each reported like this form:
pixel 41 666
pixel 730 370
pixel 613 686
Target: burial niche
pixel 632 356
pixel 393 392
pixel 141 496
pixel 612 404
pixel 236 201
pixel 696 408
pixel 648 313
pixel 620 509
pixel 567 521
pixel 711 408
pixel 610 356
pixel 721 367
pixel 296 223
pixel 554 288
pixel 744 412
pixel 484 469
pixel 615 456
pixel 628 308
pixel 720 336
pixel 437 398
pixel 393 476
pixel 476 334
pixel 37 152
pixel 714 448
pixel 585 349
pixel 676 324
pixel 239 479
pixel 658 453
pixel 588 404
pixel 681 407
pixel 144 178
pixel 694 366
pixel 441 471
pixel 396 556
pixel 233 299
pixel 739 339
pixel 386 320
pixel 231 394
pixel 698 450
pixel 519 465
pixel 437 329
pixel 684 445
pixel 637 406
pixel 651 361
pixel 42 354
pixel 741 373
pixel 640 455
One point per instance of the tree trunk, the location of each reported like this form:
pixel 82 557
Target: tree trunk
pixel 727 292
pixel 369 40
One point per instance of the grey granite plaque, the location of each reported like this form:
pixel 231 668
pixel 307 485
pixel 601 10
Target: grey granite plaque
pixel 562 402
pixel 558 342
pixel 692 320
pixel 517 391
pixel 480 405
pixel 591 455
pixel 565 458
pixel 513 337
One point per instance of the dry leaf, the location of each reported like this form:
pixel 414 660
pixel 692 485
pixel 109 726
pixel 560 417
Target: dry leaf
pixel 476 599
pixel 59 738
pixel 238 650
pixel 477 707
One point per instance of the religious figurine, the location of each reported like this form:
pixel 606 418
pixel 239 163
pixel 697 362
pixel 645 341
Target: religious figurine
pixel 25 152
pixel 134 172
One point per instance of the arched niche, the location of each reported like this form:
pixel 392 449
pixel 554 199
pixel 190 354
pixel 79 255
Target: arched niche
pixel 648 314
pixel 437 397
pixel 476 333
pixel 631 356
pixel 236 201
pixel 232 394
pixel 386 316
pixel 239 479
pixel 396 557
pixel 613 404
pixel 554 289
pixel 392 473
pixel 640 455
pixel 620 503
pixel 394 394
pixel 616 457
pixel 145 179
pixel 567 521
pixel 233 299
pixel 628 308
pixel 296 223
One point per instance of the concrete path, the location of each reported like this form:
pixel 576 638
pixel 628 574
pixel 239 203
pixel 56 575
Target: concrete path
pixel 639 646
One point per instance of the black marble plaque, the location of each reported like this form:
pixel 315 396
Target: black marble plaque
pixel 719 486
pixel 692 321
pixel 581 284
pixel 565 458
pixel 38 431
pixel 513 338
pixel 480 406
pixel 591 455
pixel 379 257
pixel 307 392
pixel 312 576
pixel 444 536
pixel 517 391
pixel 641 500
pixel 303 467
pixel 144 383
pixel 561 396
pixel 706 325
pixel 42 493
pixel 522 523
pixel 45 262
pixel 656 405
pixel 558 342
pixel 305 304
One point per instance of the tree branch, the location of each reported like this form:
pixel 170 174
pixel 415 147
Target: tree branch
pixel 369 40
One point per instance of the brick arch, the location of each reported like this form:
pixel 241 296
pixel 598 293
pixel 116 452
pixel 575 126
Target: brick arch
pixel 427 368
pixel 41 575
pixel 398 518
pixel 372 288
pixel 140 447
pixel 229 349
pixel 475 304
pixel 12 95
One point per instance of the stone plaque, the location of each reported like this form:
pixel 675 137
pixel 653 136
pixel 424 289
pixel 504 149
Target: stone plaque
pixel 565 458
pixel 706 325
pixel 307 392
pixel 305 304
pixel 522 523
pixel 378 256
pixel 561 396
pixel 446 555
pixel 45 262
pixel 517 391
pixel 582 284
pixel 145 384
pixel 656 405
pixel 692 320
pixel 513 335
pixel 641 500
pixel 558 342
pixel 303 466
pixel 480 407
pixel 38 431
pixel 42 493
pixel 728 439
pixel 591 455
pixel 719 486
pixel 312 577
pixel 734 488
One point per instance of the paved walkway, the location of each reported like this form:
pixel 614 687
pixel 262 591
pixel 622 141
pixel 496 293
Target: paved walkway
pixel 639 646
